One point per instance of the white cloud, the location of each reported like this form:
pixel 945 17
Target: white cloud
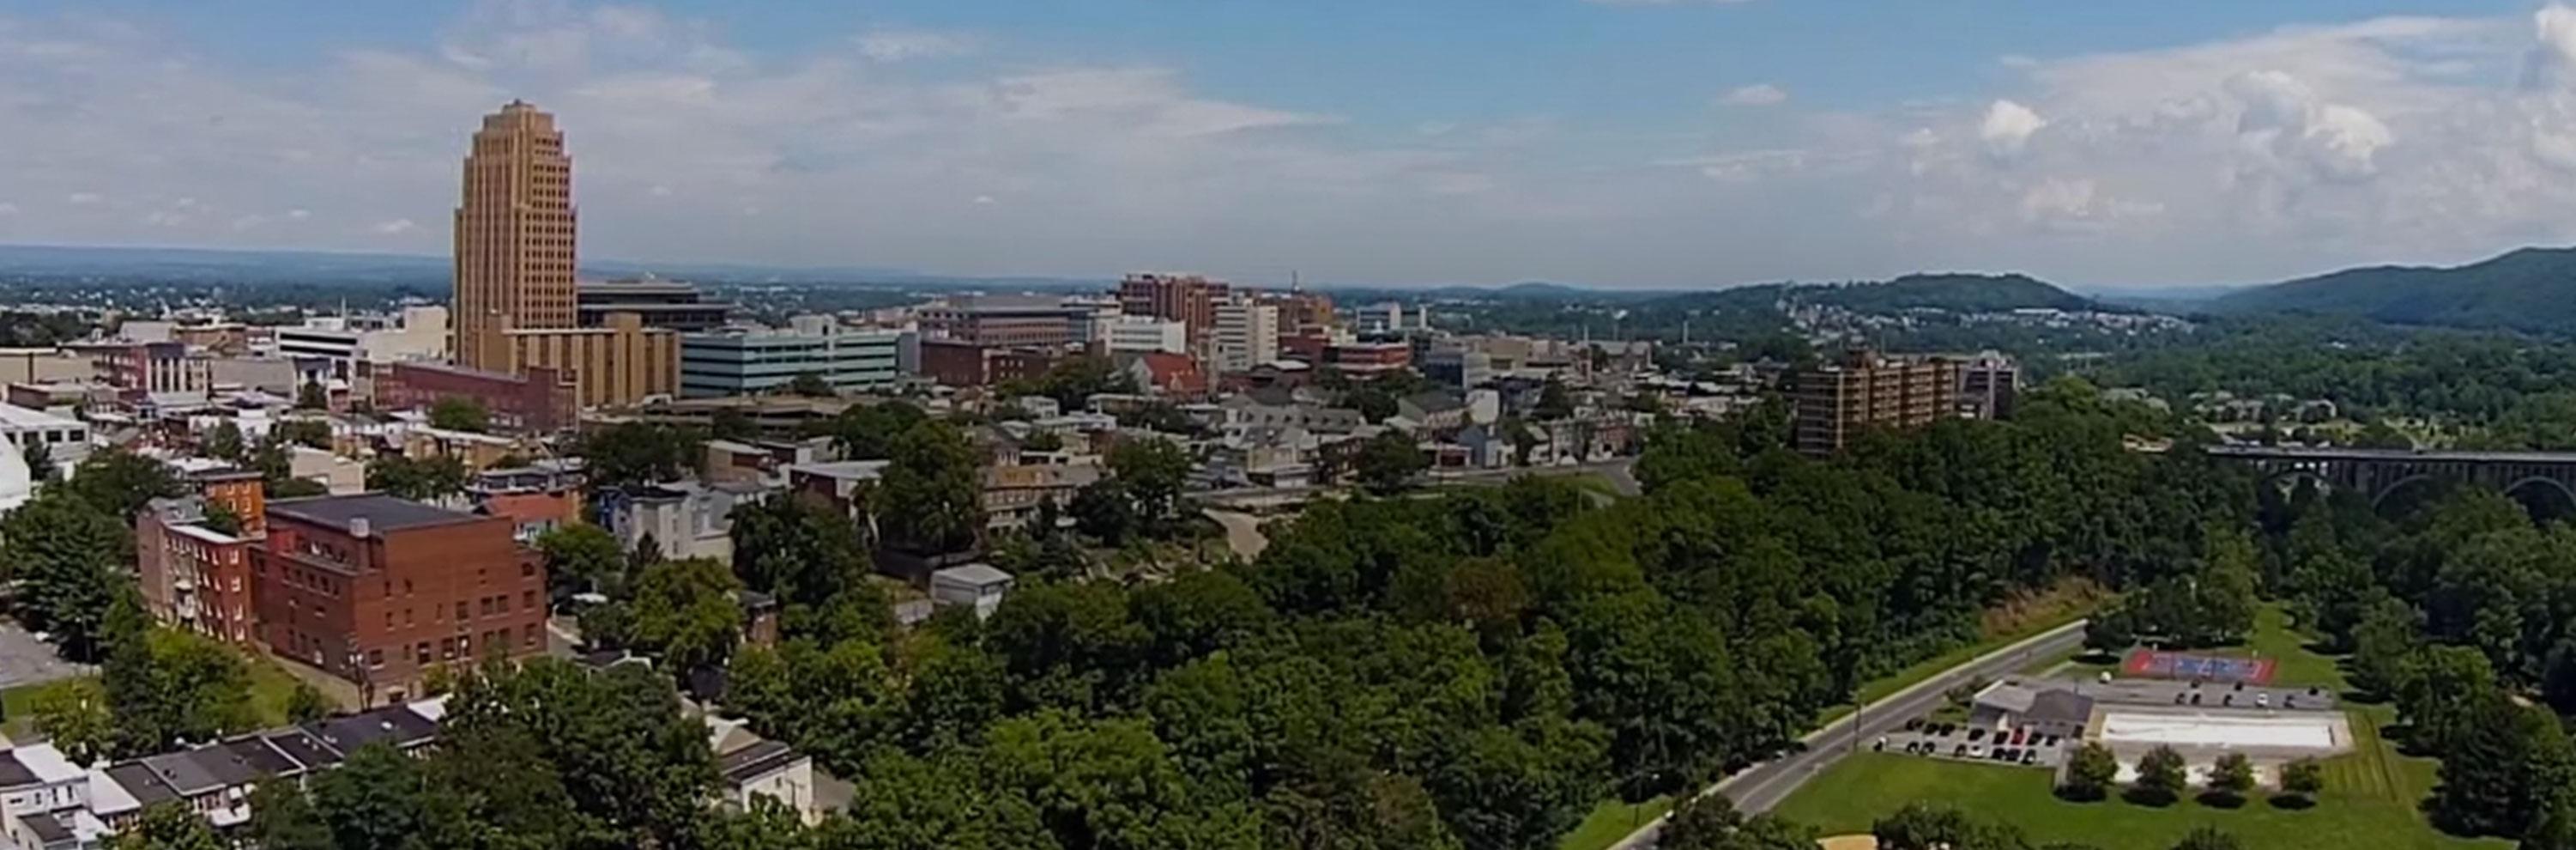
pixel 2008 127
pixel 1758 94
pixel 299 214
pixel 394 227
pixel 85 199
pixel 902 45
pixel 8 208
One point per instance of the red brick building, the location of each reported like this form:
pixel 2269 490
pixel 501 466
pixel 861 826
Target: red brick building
pixel 541 400
pixel 375 589
pixel 191 576
pixel 1366 359
pixel 963 364
pixel 1187 298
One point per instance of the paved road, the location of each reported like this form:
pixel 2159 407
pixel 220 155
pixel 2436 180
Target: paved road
pixel 1242 532
pixel 1762 786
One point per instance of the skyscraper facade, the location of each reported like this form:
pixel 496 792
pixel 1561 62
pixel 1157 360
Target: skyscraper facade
pixel 514 236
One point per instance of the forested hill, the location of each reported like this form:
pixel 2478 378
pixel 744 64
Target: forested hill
pixel 1959 293
pixel 2532 289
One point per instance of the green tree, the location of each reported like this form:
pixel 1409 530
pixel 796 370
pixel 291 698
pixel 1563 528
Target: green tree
pixel 1151 472
pixel 868 431
pixel 2232 777
pixel 2160 776
pixel 74 715
pixel 730 423
pixel 2501 767
pixel 2090 772
pixel 283 818
pixel 221 518
pixel 2208 838
pixel 810 385
pixel 305 704
pixel 929 499
pixel 307 432
pixel 423 479
pixel 2304 779
pixel 225 442
pixel 685 612
pixel 1922 827
pixel 1554 402
pixel 66 556
pixel 40 462
pixel 310 396
pixel 1387 463
pixel 628 454
pixel 800 550
pixel 377 799
pixel 1710 822
pixel 119 482
pixel 169 825
pixel 583 557
pixel 1103 510
pixel 460 413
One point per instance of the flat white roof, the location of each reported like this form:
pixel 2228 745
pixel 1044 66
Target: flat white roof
pixel 48 764
pixel 15 417
pixel 2304 730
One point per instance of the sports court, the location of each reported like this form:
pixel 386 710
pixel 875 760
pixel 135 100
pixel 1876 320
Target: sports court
pixel 2153 664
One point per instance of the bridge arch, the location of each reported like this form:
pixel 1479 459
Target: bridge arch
pixel 2566 495
pixel 2379 500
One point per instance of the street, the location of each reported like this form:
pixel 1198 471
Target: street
pixel 1762 786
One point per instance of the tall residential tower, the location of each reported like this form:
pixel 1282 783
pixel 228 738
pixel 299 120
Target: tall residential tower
pixel 514 236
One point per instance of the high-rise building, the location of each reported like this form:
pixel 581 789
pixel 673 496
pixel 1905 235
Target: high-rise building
pixel 1988 385
pixel 1247 334
pixel 1837 402
pixel 1186 298
pixel 514 236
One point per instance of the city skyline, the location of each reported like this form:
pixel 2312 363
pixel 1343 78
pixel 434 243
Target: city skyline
pixel 1649 144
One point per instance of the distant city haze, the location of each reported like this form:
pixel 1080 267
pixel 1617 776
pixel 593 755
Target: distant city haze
pixel 1612 144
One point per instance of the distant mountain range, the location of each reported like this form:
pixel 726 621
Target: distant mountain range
pixel 2532 289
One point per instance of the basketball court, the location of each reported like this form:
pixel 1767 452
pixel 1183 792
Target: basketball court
pixel 2153 664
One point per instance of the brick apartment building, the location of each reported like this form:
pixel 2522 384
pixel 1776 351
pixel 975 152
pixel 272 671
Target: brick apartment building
pixel 963 364
pixel 375 589
pixel 1837 402
pixel 192 575
pixel 1186 298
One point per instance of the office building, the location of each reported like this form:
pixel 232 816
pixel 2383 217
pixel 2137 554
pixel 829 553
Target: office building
pixel 750 361
pixel 146 368
pixel 1140 334
pixel 375 589
pixel 621 364
pixel 1457 366
pixel 336 346
pixel 514 236
pixel 1366 359
pixel 1012 320
pixel 1189 299
pixel 1989 383
pixel 1302 312
pixel 1246 335
pixel 668 304
pixel 1837 402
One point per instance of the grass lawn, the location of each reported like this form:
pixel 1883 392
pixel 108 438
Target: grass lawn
pixel 1612 821
pixel 1861 789
pixel 2371 795
pixel 270 688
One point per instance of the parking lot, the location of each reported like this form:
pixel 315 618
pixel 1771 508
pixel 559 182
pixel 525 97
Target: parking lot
pixel 1959 741
pixel 24 660
pixel 2161 692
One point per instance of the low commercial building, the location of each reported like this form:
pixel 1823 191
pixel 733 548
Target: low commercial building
pixel 538 400
pixel 669 304
pixel 376 589
pixel 963 364
pixel 749 362
pixel 1139 334
pixel 66 441
pixel 622 363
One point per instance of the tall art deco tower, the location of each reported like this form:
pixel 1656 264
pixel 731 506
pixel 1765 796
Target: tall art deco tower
pixel 514 236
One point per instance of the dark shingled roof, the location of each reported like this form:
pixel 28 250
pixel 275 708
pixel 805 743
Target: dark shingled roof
pixel 13 774
pixel 139 781
pixel 260 758
pixel 2061 706
pixel 382 512
pixel 303 747
pixel 49 831
pixel 184 773
pixel 763 757
pixel 395 725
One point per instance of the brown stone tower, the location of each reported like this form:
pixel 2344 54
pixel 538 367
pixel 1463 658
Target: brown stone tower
pixel 514 236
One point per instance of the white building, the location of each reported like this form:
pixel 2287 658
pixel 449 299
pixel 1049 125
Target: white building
pixel 979 585
pixel 1247 335
pixel 1146 333
pixel 66 441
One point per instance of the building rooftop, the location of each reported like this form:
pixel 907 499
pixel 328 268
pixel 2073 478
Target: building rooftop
pixel 382 512
pixel 397 726
pixel 15 417
pixel 978 574
pixel 745 764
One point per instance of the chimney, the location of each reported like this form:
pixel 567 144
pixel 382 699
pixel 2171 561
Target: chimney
pixel 359 527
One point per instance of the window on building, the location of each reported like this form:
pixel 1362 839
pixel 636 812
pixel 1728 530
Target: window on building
pixel 375 658
pixel 460 610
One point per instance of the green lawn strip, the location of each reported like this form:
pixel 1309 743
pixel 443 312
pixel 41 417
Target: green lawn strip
pixel 18 705
pixel 1856 792
pixel 1611 821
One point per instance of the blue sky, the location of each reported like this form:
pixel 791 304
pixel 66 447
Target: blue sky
pixel 1680 143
